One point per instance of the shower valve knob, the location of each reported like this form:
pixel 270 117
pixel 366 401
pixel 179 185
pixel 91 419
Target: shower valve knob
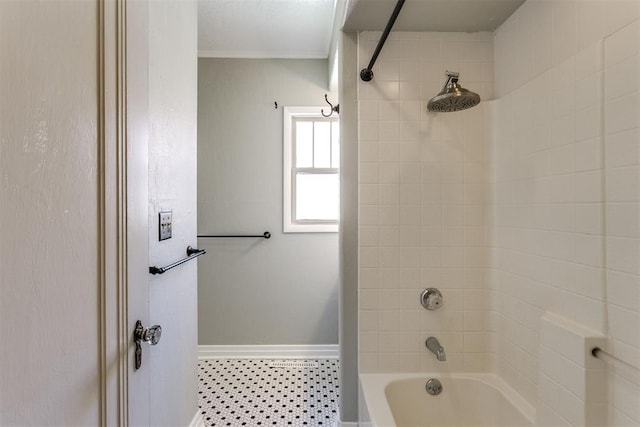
pixel 431 299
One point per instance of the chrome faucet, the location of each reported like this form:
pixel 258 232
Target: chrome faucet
pixel 434 346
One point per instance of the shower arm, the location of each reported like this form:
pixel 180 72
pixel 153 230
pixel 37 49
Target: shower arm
pixel 452 76
pixel 366 74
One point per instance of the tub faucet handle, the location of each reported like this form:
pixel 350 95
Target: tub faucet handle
pixel 431 299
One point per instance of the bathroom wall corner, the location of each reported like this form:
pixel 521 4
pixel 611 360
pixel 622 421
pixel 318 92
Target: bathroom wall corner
pixel 348 247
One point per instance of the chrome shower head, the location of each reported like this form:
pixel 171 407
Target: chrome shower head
pixel 453 97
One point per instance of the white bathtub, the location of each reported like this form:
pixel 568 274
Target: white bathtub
pixel 400 400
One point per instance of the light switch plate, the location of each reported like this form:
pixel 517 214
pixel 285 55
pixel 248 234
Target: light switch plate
pixel 164 225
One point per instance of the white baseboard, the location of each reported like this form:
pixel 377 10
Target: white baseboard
pixel 329 351
pixel 197 420
pixel 347 424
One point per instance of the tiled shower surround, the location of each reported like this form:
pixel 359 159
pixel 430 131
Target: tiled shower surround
pixel 422 203
pixel 526 204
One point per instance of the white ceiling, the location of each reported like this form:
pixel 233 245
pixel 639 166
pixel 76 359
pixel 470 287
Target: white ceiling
pixel 265 28
pixel 430 15
pixel 303 28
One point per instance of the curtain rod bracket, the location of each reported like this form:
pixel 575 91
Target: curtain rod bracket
pixel 366 74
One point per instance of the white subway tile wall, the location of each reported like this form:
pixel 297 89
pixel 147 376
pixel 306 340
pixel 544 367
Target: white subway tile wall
pixel 622 201
pixel 524 205
pixel 564 196
pixel 571 382
pixel 422 203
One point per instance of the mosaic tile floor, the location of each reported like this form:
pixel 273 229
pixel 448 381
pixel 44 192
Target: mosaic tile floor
pixel 268 392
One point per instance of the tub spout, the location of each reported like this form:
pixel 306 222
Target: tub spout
pixel 434 346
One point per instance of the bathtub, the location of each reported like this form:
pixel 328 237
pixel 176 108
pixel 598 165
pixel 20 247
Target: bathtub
pixel 400 400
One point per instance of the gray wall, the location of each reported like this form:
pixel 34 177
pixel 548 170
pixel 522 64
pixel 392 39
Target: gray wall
pixel 255 291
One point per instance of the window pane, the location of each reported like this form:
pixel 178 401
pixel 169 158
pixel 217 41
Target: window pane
pixel 335 144
pixel 317 196
pixel 304 144
pixel 322 145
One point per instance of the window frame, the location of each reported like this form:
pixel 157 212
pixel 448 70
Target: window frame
pixel 290 224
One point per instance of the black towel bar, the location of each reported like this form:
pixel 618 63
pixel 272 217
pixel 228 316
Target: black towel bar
pixel 191 254
pixel 266 235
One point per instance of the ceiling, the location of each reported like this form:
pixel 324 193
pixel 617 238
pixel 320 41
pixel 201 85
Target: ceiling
pixel 430 15
pixel 265 28
pixel 304 28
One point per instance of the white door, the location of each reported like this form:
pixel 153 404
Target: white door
pixel 51 276
pixel 73 223
pixel 146 64
pixel 124 198
pixel 137 132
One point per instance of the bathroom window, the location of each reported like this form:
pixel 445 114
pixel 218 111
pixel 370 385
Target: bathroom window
pixel 311 171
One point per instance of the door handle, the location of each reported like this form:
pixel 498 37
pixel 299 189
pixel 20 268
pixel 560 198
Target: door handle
pixel 151 335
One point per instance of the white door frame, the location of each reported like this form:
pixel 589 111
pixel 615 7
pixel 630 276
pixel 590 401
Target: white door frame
pixel 122 200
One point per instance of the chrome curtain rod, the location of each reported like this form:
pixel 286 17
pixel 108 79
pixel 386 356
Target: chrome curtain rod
pixel 599 353
pixel 265 235
pixel 191 254
pixel 367 73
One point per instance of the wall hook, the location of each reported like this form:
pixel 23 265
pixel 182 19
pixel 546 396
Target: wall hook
pixel 336 108
pixel 276 104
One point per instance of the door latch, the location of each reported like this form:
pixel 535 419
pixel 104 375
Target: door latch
pixel 151 335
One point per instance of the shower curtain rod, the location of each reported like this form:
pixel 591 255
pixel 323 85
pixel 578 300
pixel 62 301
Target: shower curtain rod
pixel 367 73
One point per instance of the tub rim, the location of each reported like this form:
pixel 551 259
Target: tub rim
pixel 373 388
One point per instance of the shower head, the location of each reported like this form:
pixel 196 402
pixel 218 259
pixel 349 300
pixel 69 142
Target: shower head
pixel 453 97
